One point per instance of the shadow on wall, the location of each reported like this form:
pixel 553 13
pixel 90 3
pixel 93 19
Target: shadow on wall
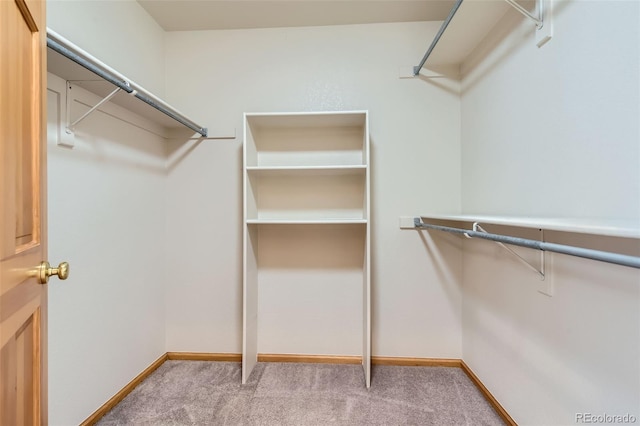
pixel 178 149
pixel 443 77
pixel 107 137
pixel 447 267
pixel 114 145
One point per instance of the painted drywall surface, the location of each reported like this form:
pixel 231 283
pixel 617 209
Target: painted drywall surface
pixel 554 131
pixel 106 218
pixel 414 126
pixel 119 33
pixel 549 359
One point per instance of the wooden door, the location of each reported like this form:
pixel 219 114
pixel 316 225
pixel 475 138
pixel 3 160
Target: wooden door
pixel 23 302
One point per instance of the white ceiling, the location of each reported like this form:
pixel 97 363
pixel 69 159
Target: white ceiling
pixel 190 15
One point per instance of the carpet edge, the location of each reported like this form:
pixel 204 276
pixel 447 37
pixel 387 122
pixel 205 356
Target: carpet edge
pixel 504 415
pixel 126 390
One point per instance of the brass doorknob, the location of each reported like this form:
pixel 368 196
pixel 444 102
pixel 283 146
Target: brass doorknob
pixel 45 271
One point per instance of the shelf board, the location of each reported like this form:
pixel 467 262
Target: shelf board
pixel 306 221
pixel 612 228
pixel 306 170
pixel 68 70
pixel 284 120
pixel 471 23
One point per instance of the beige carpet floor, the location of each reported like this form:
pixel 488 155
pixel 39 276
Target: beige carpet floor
pixel 210 393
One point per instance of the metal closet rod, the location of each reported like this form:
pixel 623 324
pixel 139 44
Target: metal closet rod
pixel 443 27
pixel 84 59
pixel 602 256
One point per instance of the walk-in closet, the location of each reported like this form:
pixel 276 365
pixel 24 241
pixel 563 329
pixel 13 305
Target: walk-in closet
pixel 345 212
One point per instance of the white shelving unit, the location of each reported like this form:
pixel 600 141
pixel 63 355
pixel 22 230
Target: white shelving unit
pixel 306 234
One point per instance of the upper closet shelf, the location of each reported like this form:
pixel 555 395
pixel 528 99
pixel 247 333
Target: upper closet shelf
pixel 469 22
pixel 612 228
pixel 71 63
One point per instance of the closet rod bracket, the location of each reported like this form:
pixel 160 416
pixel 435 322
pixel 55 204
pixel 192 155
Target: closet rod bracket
pixel 539 20
pixel 71 126
pixel 586 253
pixel 540 272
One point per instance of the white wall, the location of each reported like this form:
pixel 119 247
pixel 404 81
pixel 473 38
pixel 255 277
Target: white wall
pixel 555 132
pixel 106 218
pixel 415 167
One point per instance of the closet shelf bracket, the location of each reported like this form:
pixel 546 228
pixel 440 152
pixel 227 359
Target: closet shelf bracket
pixel 540 272
pixel 71 126
pixel 537 20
